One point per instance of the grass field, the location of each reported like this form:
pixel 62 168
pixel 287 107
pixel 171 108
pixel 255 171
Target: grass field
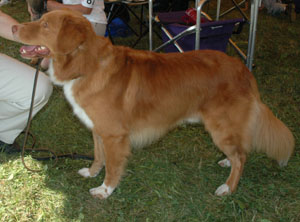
pixel 175 178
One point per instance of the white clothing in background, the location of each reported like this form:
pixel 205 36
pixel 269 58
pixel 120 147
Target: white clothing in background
pixel 97 16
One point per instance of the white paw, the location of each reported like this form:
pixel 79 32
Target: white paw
pixel 223 190
pixel 102 192
pixel 84 172
pixel 224 163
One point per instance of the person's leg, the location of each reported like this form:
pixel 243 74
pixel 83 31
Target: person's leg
pixel 291 11
pixel 15 96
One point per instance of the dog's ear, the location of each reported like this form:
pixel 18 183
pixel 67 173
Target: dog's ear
pixel 71 35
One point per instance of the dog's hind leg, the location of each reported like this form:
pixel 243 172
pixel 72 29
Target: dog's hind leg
pixel 99 159
pixel 116 151
pixel 237 160
pixel 227 134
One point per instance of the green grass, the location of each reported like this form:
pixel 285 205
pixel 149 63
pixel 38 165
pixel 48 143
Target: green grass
pixel 175 178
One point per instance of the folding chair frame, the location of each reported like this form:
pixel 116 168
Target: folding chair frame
pixel 199 4
pixel 111 15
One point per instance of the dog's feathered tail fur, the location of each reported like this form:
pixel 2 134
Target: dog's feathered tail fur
pixel 271 136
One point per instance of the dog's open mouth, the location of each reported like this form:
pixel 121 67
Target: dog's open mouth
pixel 34 51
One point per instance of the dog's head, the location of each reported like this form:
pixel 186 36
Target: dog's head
pixel 58 32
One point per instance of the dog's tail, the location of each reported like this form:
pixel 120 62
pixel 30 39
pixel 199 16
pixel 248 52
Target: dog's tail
pixel 271 136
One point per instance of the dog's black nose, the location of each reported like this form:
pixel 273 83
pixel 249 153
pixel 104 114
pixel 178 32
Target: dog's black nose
pixel 14 29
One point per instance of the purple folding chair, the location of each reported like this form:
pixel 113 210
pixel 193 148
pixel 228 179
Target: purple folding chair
pixel 177 36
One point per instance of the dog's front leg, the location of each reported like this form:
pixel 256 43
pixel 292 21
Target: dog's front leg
pixel 99 159
pixel 116 152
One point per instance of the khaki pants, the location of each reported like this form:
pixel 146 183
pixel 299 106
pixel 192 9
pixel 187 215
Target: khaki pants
pixel 16 82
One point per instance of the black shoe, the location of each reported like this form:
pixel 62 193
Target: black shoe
pixel 9 148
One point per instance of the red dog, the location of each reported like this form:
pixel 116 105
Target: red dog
pixel 130 97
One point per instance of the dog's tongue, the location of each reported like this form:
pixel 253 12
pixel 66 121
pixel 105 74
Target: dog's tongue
pixel 28 48
pixel 33 51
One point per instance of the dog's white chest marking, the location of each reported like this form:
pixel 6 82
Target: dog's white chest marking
pixel 68 85
pixel 52 76
pixel 76 107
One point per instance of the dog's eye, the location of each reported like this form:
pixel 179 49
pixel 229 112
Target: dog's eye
pixel 45 24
